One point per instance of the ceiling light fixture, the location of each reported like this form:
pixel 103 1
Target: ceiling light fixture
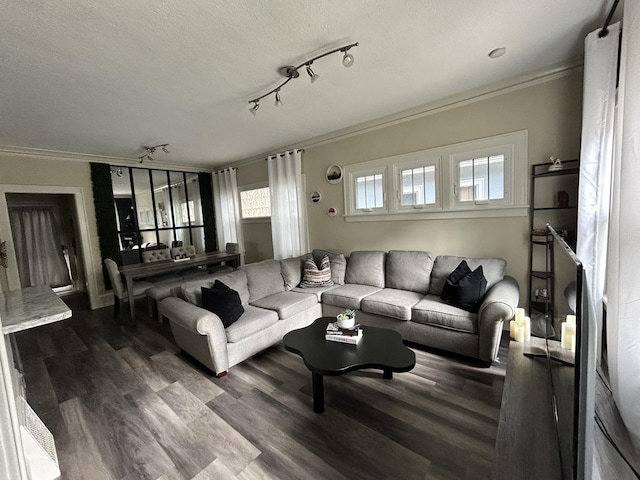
pixel 292 72
pixel 151 150
pixel 497 52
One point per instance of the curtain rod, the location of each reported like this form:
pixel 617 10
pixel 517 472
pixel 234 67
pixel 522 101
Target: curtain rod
pixel 605 28
pixel 224 170
pixel 301 150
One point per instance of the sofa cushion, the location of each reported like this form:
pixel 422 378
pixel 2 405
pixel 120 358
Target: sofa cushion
pixel 286 304
pixel 316 275
pixel 409 270
pixel 465 289
pixel 366 268
pixel 336 260
pixel 253 320
pixel 492 268
pixel 431 310
pixel 291 270
pixel 391 303
pixel 348 295
pixel 237 280
pixel 263 278
pixel 317 291
pixel 223 301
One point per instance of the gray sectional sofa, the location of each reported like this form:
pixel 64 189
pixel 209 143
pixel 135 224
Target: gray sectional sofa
pixel 397 289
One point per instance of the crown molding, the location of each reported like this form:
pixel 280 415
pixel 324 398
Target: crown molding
pixel 454 101
pixel 88 157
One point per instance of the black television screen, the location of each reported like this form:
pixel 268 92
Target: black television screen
pixel 572 374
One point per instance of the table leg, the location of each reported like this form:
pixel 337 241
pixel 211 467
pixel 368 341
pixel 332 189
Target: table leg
pixel 387 375
pixel 318 392
pixel 132 300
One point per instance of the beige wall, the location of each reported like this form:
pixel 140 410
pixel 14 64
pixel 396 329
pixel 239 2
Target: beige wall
pixel 550 111
pixel 51 173
pixel 257 234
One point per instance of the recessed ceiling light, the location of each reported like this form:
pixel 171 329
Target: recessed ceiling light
pixel 497 52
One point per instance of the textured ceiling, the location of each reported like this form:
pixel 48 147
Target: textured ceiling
pixel 106 77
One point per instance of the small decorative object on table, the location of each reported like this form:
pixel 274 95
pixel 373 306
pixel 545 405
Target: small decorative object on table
pixel 347 319
pixel 520 327
pixel 556 164
pixel 344 335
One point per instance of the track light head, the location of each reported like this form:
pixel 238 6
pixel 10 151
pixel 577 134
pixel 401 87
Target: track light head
pixel 347 60
pixel 256 106
pixel 278 101
pixel 165 150
pixel 312 75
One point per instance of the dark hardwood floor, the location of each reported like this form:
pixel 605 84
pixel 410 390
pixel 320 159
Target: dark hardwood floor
pixel 125 403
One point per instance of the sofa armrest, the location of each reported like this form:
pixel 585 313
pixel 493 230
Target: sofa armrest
pixel 499 305
pixel 197 320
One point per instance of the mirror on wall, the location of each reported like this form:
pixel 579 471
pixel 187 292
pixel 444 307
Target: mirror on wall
pixel 156 209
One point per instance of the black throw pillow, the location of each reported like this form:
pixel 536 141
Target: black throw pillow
pixel 223 301
pixel 465 289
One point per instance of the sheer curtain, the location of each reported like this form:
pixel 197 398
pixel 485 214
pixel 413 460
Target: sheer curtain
pixel 596 158
pixel 623 286
pixel 227 209
pixel 38 244
pixel 288 214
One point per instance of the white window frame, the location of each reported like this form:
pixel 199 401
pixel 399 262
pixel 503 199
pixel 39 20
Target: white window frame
pixel 405 163
pixel 454 160
pixel 245 188
pixel 351 190
pixel 513 145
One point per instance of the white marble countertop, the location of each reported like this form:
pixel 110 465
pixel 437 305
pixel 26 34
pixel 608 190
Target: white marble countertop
pixel 30 307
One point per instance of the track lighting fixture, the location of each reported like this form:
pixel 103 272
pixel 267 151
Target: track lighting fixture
pixel 292 72
pixel 151 150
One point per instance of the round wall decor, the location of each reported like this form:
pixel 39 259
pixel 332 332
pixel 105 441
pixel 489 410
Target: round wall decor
pixel 334 173
pixel 332 212
pixel 315 197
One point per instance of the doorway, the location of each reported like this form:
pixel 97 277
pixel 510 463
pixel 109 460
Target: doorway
pixel 45 237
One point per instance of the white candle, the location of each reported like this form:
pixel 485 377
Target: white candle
pixel 573 343
pixel 571 320
pixel 512 325
pixel 518 332
pixel 519 314
pixel 568 331
pixel 526 322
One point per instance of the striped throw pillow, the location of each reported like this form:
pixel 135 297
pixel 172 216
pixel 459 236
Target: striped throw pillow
pixel 312 276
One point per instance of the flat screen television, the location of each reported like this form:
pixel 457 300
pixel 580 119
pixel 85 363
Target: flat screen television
pixel 572 375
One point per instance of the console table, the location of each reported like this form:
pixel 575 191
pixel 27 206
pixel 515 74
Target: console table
pixel 526 445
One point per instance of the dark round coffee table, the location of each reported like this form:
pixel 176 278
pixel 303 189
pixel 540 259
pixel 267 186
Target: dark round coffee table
pixel 379 348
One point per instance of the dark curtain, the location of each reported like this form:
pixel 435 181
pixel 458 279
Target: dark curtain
pixel 105 215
